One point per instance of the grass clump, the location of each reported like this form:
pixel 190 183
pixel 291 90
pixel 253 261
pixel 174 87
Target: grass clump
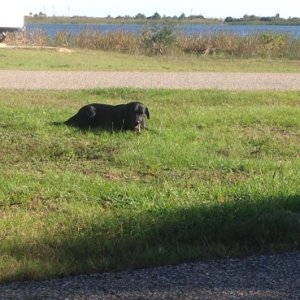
pixel 216 175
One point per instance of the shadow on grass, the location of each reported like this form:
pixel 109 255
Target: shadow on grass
pixel 103 129
pixel 130 239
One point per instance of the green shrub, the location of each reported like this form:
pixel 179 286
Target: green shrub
pixel 157 39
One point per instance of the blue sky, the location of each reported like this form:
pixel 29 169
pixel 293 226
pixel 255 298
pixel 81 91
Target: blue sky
pixel 102 8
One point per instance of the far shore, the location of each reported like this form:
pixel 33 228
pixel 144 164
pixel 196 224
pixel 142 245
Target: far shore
pixel 43 19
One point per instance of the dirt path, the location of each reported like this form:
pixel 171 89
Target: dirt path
pixel 11 79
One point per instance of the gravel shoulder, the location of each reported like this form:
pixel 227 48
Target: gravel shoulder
pixel 256 277
pixel 12 79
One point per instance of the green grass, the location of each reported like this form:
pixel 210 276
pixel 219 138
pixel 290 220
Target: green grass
pixel 115 61
pixel 216 175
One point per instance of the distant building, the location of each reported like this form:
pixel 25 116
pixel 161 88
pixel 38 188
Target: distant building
pixel 11 20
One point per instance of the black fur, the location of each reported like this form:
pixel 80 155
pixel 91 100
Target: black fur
pixel 130 116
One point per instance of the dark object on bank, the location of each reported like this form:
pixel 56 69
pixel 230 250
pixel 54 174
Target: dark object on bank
pixel 2 36
pixel 130 116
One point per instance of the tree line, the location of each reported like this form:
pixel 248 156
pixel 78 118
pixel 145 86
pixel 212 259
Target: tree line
pixel 256 19
pixel 140 17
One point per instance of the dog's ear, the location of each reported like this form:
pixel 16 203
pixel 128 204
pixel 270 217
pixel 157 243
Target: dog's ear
pixel 147 113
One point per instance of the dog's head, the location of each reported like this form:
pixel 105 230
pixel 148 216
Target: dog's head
pixel 137 113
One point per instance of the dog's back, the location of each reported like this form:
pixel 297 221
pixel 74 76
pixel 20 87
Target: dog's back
pixel 98 115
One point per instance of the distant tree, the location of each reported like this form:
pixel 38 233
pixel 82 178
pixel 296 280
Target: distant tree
pixel 140 16
pixel 229 19
pixel 182 16
pixel 250 18
pixel 196 17
pixel 156 16
pixel 265 19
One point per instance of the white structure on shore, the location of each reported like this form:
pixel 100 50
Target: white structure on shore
pixel 11 19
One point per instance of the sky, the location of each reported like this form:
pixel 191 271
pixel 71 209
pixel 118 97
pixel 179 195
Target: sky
pixel 102 8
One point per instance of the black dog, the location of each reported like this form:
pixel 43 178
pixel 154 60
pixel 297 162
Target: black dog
pixel 130 116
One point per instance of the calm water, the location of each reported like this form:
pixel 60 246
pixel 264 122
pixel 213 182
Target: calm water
pixel 52 29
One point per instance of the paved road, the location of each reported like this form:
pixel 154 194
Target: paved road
pixel 11 79
pixel 257 277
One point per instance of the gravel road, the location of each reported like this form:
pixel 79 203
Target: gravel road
pixel 183 80
pixel 257 277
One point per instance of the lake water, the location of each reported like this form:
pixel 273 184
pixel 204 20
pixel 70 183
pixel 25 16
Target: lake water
pixel 198 29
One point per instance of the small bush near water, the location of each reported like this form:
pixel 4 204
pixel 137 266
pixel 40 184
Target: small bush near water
pixel 163 40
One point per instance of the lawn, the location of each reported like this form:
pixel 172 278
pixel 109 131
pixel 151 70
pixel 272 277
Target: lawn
pixel 215 175
pixel 117 61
